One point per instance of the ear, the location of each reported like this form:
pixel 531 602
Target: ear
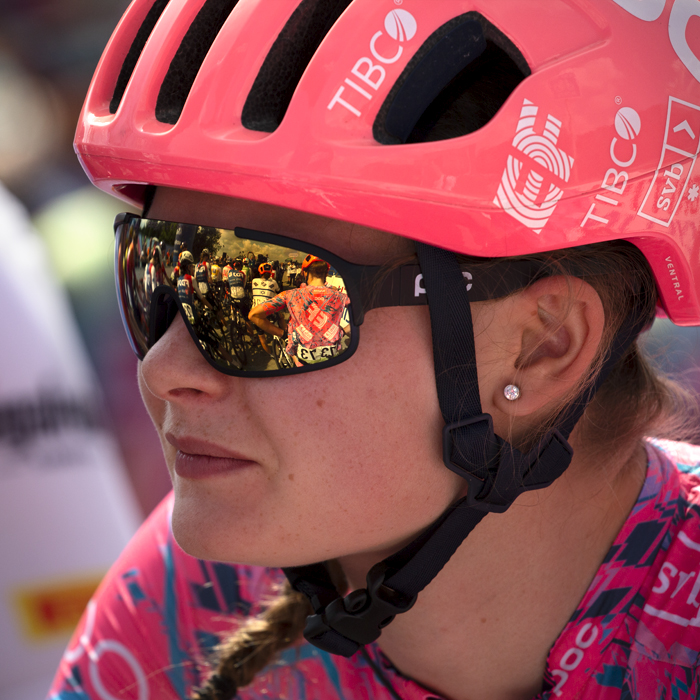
pixel 550 335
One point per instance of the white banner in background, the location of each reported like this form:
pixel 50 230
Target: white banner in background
pixel 66 510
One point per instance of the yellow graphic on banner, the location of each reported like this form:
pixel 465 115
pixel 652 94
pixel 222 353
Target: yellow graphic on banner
pixel 51 610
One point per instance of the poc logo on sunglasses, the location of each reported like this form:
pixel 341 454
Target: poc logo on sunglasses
pixel 419 289
pixel 368 75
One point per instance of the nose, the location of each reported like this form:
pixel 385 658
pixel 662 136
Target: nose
pixel 174 369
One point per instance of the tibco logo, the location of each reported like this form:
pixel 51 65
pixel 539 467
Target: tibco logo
pixel 400 26
pixel 628 124
pixel 533 202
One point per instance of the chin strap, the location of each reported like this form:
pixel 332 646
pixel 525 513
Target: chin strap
pixel 496 472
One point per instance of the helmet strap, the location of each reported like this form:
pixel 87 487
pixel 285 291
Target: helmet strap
pixel 496 472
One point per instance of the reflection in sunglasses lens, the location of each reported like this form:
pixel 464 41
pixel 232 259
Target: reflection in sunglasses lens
pixel 252 306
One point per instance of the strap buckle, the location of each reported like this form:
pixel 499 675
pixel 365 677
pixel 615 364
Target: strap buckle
pixel 348 623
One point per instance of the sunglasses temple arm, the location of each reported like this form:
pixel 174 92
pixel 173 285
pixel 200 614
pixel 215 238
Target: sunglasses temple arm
pixel 381 287
pixel 403 286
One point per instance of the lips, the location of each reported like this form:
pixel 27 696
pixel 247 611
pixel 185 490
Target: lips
pixel 198 459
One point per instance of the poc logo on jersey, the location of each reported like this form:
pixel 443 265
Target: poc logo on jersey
pixel 574 655
pixel 369 73
pixel 531 189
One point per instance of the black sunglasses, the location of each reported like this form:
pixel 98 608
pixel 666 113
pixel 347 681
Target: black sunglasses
pixel 258 304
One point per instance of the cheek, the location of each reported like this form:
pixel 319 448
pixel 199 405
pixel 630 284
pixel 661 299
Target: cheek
pixel 374 422
pixel 351 455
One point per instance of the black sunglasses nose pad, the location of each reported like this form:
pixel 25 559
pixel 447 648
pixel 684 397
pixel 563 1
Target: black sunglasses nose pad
pixel 163 312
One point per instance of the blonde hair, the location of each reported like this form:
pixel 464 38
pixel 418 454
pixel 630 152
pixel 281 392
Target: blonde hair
pixel 254 645
pixel 642 402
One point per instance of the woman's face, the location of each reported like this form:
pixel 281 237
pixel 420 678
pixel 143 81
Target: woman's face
pixel 341 461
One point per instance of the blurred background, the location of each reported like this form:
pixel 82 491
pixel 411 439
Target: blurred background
pixel 48 51
pixel 80 465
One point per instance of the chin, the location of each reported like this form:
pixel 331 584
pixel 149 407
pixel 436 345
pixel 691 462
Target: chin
pixel 217 520
pixel 202 533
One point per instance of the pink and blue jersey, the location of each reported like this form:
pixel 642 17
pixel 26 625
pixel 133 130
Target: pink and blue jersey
pixel 152 624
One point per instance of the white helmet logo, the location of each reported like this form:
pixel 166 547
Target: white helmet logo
pixel 628 123
pixel 400 25
pixel 531 189
pixel 369 71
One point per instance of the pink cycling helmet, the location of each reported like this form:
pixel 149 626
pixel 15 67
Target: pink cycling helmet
pixel 320 106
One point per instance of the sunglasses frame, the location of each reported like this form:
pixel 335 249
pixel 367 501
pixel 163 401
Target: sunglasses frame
pixel 161 316
pixel 367 286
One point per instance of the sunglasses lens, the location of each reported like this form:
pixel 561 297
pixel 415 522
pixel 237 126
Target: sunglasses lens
pixel 252 306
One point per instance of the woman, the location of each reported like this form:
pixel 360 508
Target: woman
pixel 463 504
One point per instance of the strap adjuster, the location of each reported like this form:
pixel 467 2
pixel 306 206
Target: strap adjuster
pixel 484 436
pixel 348 623
pixel 508 471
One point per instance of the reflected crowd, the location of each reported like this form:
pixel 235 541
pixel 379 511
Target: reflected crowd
pixel 251 305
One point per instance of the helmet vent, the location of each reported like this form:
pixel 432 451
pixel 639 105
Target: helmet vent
pixel 289 56
pixel 454 85
pixel 189 58
pixel 135 51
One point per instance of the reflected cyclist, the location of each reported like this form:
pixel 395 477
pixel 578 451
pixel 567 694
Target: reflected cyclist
pixel 315 316
pixel 227 266
pixel 186 288
pixel 203 273
pixel 264 289
pixel 155 274
pixel 215 277
pixel 236 279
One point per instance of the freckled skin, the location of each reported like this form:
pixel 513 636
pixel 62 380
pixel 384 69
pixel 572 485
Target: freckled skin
pixel 351 466
pixel 365 441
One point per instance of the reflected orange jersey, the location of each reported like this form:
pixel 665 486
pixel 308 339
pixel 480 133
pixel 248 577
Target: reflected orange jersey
pixel 315 313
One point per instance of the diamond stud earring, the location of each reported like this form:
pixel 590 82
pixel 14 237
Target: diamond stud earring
pixel 511 392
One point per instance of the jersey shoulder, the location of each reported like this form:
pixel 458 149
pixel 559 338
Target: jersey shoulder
pixel 668 632
pixel 161 612
pixel 637 628
pixel 685 456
